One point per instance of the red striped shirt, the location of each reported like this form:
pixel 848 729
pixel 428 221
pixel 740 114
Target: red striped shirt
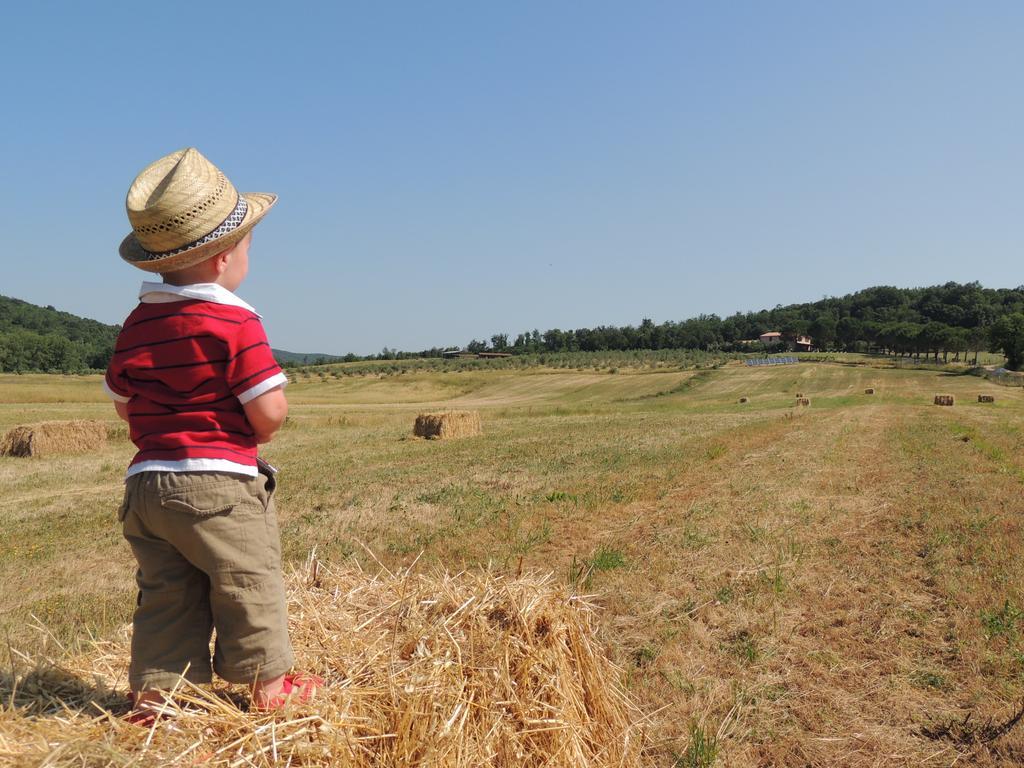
pixel 185 367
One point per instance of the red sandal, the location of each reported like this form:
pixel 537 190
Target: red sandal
pixel 144 718
pixel 141 718
pixel 298 686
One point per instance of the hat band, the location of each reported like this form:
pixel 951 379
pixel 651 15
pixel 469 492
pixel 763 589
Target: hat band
pixel 231 223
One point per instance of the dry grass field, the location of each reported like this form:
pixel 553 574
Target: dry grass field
pixel 837 585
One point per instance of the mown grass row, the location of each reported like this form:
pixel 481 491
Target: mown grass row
pixel 609 361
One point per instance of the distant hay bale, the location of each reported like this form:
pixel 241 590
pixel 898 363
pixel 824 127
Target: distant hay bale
pixel 118 431
pixel 447 425
pixel 943 399
pixel 743 400
pixel 986 398
pixel 54 438
pixel 461 671
pixel 803 401
pixel 869 391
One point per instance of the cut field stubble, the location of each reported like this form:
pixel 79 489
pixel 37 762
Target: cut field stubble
pixel 827 586
pixel 814 566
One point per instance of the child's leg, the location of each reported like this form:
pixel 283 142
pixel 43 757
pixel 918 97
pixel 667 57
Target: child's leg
pixel 173 621
pixel 225 526
pixel 247 597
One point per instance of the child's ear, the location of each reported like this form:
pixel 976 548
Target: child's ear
pixel 221 261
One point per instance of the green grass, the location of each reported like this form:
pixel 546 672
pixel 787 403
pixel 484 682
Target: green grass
pixel 607 558
pixel 1002 622
pixel 701 752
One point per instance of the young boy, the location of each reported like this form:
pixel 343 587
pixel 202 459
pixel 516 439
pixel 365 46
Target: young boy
pixel 194 377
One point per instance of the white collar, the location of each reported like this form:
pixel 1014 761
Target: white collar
pixel 162 293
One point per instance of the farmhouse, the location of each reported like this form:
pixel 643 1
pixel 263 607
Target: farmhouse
pixel 800 344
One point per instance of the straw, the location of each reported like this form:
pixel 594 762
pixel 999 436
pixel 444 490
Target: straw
pixel 468 669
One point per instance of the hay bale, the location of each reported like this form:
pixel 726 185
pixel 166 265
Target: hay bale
pixel 460 670
pixel 986 398
pixel 743 400
pixel 54 438
pixel 118 432
pixel 447 425
pixel 869 391
pixel 944 400
pixel 803 401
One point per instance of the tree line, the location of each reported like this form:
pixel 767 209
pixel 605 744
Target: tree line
pixel 958 319
pixel 937 321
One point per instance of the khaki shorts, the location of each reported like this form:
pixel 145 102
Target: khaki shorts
pixel 209 555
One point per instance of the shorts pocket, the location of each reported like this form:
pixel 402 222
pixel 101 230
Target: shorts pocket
pixel 203 500
pixel 125 501
pixel 244 552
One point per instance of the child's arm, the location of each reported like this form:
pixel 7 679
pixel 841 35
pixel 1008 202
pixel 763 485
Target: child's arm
pixel 114 385
pixel 266 413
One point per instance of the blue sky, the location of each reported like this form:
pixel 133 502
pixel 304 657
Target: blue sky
pixel 450 170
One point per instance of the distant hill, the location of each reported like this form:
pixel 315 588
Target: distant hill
pixel 18 315
pixel 35 338
pixel 303 358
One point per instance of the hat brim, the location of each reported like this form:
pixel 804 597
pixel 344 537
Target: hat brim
pixel 132 252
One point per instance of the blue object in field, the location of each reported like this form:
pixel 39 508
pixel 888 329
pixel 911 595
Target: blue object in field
pixel 772 361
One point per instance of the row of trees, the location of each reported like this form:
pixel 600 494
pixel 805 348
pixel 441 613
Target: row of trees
pixel 27 351
pixel 950 319
pixel 943 320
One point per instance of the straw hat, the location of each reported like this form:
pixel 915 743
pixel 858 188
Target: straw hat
pixel 183 210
